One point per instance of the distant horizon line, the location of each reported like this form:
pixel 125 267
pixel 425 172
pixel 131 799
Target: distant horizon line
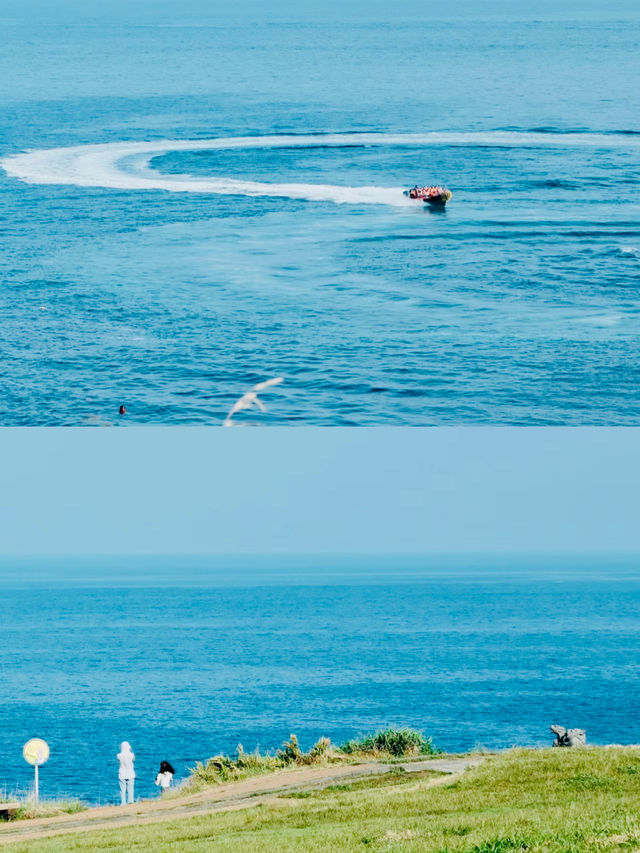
pixel 225 555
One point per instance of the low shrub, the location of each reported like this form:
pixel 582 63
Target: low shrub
pixel 395 742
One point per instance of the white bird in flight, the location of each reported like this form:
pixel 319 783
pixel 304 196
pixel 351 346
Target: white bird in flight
pixel 251 399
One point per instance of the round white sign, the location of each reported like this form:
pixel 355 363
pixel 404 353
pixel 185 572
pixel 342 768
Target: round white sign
pixel 35 751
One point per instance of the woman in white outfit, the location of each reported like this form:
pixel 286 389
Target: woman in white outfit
pixel 126 773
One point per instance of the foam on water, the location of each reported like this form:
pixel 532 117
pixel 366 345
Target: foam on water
pixel 601 319
pixel 127 165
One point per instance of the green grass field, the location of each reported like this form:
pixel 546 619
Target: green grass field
pixel 565 801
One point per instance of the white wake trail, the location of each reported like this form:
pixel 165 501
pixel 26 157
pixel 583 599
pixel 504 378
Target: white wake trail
pixel 127 165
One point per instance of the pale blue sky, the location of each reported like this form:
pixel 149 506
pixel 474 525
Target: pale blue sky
pixel 260 490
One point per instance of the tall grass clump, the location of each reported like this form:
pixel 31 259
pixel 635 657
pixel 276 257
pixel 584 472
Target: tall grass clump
pixel 224 768
pixel 48 808
pixel 320 753
pixel 398 743
pixel 395 743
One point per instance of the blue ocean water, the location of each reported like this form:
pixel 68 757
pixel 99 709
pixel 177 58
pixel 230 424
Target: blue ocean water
pixel 185 658
pixel 173 280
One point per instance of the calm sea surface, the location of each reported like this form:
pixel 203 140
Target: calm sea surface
pixel 171 278
pixel 185 659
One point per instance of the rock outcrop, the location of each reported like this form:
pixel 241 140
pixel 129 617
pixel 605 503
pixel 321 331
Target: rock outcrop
pixel 569 737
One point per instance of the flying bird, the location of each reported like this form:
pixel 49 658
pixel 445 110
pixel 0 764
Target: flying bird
pixel 251 399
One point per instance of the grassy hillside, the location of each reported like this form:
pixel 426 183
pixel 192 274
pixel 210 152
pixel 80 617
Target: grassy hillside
pixel 565 801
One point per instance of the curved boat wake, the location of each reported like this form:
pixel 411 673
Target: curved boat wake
pixel 128 165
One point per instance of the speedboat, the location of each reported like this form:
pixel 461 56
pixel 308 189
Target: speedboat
pixel 435 195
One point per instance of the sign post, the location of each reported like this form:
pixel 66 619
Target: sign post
pixel 36 752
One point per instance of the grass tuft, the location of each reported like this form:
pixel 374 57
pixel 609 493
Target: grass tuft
pixel 399 743
pixel 587 781
pixel 500 845
pixel 224 768
pixel 48 808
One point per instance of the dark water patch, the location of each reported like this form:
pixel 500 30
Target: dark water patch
pixel 609 232
pixel 548 129
pixel 551 183
pixel 544 234
pixel 320 147
pixel 570 131
pixel 503 146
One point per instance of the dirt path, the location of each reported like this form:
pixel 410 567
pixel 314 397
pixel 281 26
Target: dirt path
pixel 236 795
